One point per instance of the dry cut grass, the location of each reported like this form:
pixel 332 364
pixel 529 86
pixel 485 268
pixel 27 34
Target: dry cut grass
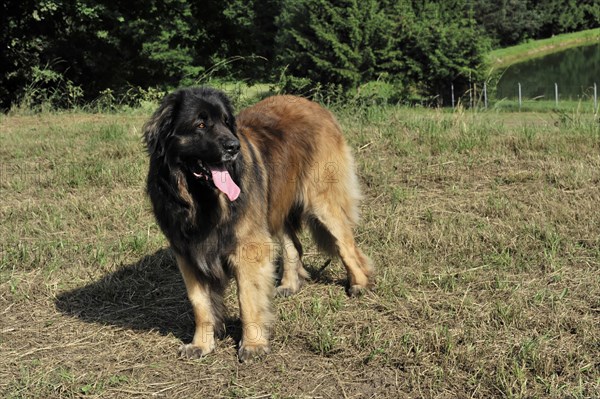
pixel 484 228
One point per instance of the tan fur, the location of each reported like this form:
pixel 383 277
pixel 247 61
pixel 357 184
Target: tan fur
pixel 185 195
pixel 293 273
pixel 323 181
pixel 199 296
pixel 304 166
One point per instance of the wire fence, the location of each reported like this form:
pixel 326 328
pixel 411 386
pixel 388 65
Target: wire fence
pixel 519 95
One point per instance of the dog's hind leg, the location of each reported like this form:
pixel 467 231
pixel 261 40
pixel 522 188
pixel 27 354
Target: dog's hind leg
pixel 336 238
pixel 332 212
pixel 332 231
pixel 204 300
pixel 293 273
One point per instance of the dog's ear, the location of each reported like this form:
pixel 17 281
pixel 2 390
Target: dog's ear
pixel 160 126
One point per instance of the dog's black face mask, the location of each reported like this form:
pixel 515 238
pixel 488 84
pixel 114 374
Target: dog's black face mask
pixel 194 129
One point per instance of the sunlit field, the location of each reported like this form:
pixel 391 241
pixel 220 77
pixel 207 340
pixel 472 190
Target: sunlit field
pixel 484 228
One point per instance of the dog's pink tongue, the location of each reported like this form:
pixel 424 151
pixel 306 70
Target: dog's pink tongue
pixel 225 183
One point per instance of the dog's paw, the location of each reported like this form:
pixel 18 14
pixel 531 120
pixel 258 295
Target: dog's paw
pixel 285 291
pixel 357 290
pixel 289 287
pixel 253 352
pixel 189 351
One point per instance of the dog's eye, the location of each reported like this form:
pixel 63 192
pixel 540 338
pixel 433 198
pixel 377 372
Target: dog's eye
pixel 201 125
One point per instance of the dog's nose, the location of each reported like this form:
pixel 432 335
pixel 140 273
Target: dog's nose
pixel 232 146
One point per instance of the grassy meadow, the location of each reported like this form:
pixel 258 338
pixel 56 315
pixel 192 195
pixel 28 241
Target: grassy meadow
pixel 484 228
pixel 503 57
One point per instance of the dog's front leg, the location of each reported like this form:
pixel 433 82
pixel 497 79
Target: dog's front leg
pixel 254 273
pixel 199 293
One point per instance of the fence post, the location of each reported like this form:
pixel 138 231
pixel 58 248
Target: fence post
pixel 470 95
pixel 452 91
pixel 556 94
pixel 470 92
pixel 595 98
pixel 485 95
pixel 520 102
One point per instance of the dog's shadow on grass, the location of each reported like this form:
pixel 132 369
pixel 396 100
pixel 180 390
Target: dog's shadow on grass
pixel 148 295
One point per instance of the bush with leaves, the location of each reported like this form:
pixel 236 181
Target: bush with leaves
pixel 418 49
pixel 334 43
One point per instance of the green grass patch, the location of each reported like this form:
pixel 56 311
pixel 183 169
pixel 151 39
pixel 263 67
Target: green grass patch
pixel 503 57
pixel 483 227
pixel 528 105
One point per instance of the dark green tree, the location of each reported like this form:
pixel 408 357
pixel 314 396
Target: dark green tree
pixel 420 47
pixel 240 37
pixel 507 22
pixel 450 47
pixel 561 16
pixel 72 50
pixel 95 45
pixel 25 27
pixel 335 43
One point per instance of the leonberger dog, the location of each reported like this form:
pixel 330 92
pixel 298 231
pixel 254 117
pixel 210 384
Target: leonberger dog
pixel 231 194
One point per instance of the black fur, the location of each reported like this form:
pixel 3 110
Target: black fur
pixel 187 207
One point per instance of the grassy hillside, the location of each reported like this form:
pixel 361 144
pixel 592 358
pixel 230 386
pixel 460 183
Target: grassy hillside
pixel 484 229
pixel 503 57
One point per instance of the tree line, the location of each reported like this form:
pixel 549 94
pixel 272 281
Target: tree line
pixel 75 51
